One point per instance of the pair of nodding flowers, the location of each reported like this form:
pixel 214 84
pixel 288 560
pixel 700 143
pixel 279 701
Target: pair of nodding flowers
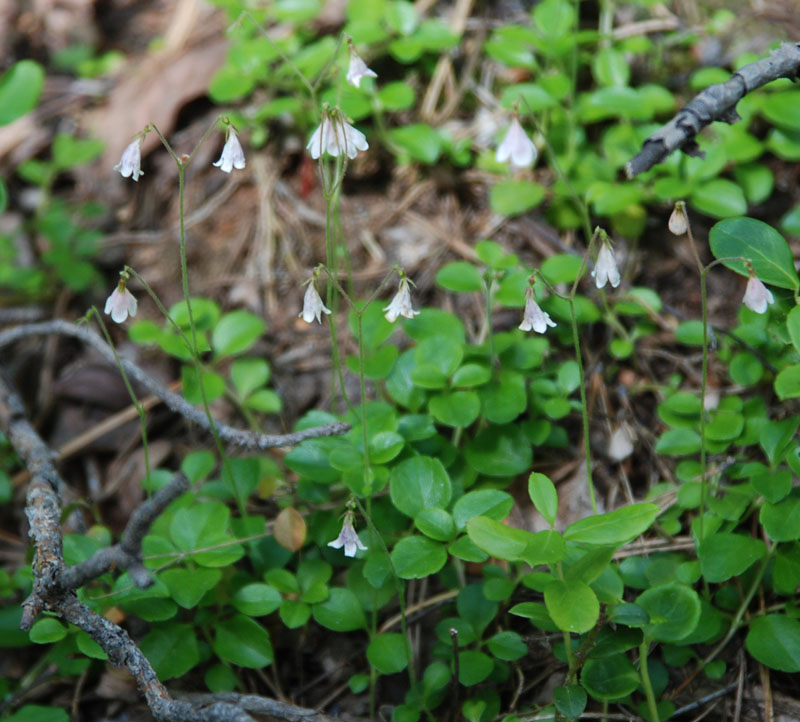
pixel 400 305
pixel 757 297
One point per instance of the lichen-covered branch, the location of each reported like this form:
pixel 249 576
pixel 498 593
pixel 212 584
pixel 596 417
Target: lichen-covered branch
pixel 128 553
pixel 717 102
pixel 43 509
pixel 264 706
pixel 229 434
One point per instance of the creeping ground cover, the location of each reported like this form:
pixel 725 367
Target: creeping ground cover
pixel 381 360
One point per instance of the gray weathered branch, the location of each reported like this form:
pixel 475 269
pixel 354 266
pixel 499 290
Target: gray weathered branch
pixel 229 434
pixel 717 102
pixel 43 509
pixel 127 554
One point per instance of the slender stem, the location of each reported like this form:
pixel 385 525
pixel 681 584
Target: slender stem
pixel 401 594
pixel 195 353
pixel 132 394
pixel 652 706
pixel 584 404
pixel 740 612
pixel 703 389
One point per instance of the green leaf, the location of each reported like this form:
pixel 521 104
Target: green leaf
pixel 609 678
pixel 436 524
pixel 20 87
pixel 264 400
pixel 213 385
pixel 418 483
pixel 248 374
pixel 187 586
pixel 776 436
pixel 419 140
pixel 459 276
pixel 496 539
pixel 69 152
pixel 774 640
pixel 787 383
pixel 236 332
pixel 172 649
pixel 388 653
pixel 416 557
pixel 457 408
pixel 435 362
pixel 511 198
pixel 507 645
pixel 396 96
pixel 781 521
pixel 725 555
pixel 38 713
pixel 614 528
pixel 572 605
pixel 294 614
pixel 544 496
pixel 500 451
pixel 793 327
pixel 492 503
pixel 340 612
pixel 768 251
pixel 256 600
pixel 242 641
pixel 47 630
pixel 781 109
pixel 719 198
pixel 473 667
pixel 674 611
pixel 678 442
pixel 570 700
pixel 505 399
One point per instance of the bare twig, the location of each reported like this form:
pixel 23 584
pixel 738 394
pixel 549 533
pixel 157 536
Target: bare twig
pixel 239 437
pixel 264 706
pixel 43 509
pixel 128 553
pixel 717 102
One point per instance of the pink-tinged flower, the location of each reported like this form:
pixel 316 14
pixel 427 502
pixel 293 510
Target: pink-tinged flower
pixel 130 164
pixel 678 224
pixel 232 154
pixel 313 307
pixel 605 269
pixel 121 304
pixel 334 135
pixel 358 69
pixel 400 305
pixel 348 538
pixel 757 296
pixel 517 146
pixel 533 318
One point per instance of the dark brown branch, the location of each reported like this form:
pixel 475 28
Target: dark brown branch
pixel 239 437
pixel 717 102
pixel 128 553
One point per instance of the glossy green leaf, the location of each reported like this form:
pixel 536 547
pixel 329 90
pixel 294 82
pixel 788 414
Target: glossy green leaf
pixel 787 383
pixel 572 605
pixel 609 678
pixel 457 408
pixel 726 555
pixel 418 483
pixel 674 611
pixel 459 276
pixel 172 649
pixel 543 494
pixel 242 641
pixel 20 87
pixel 781 521
pixel 388 653
pixel 492 503
pixel 416 557
pixel 340 612
pixel 188 586
pixel 236 332
pixel 768 251
pixel 256 599
pixel 570 700
pixel 614 528
pixel 500 451
pixel 774 641
pixel 513 197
